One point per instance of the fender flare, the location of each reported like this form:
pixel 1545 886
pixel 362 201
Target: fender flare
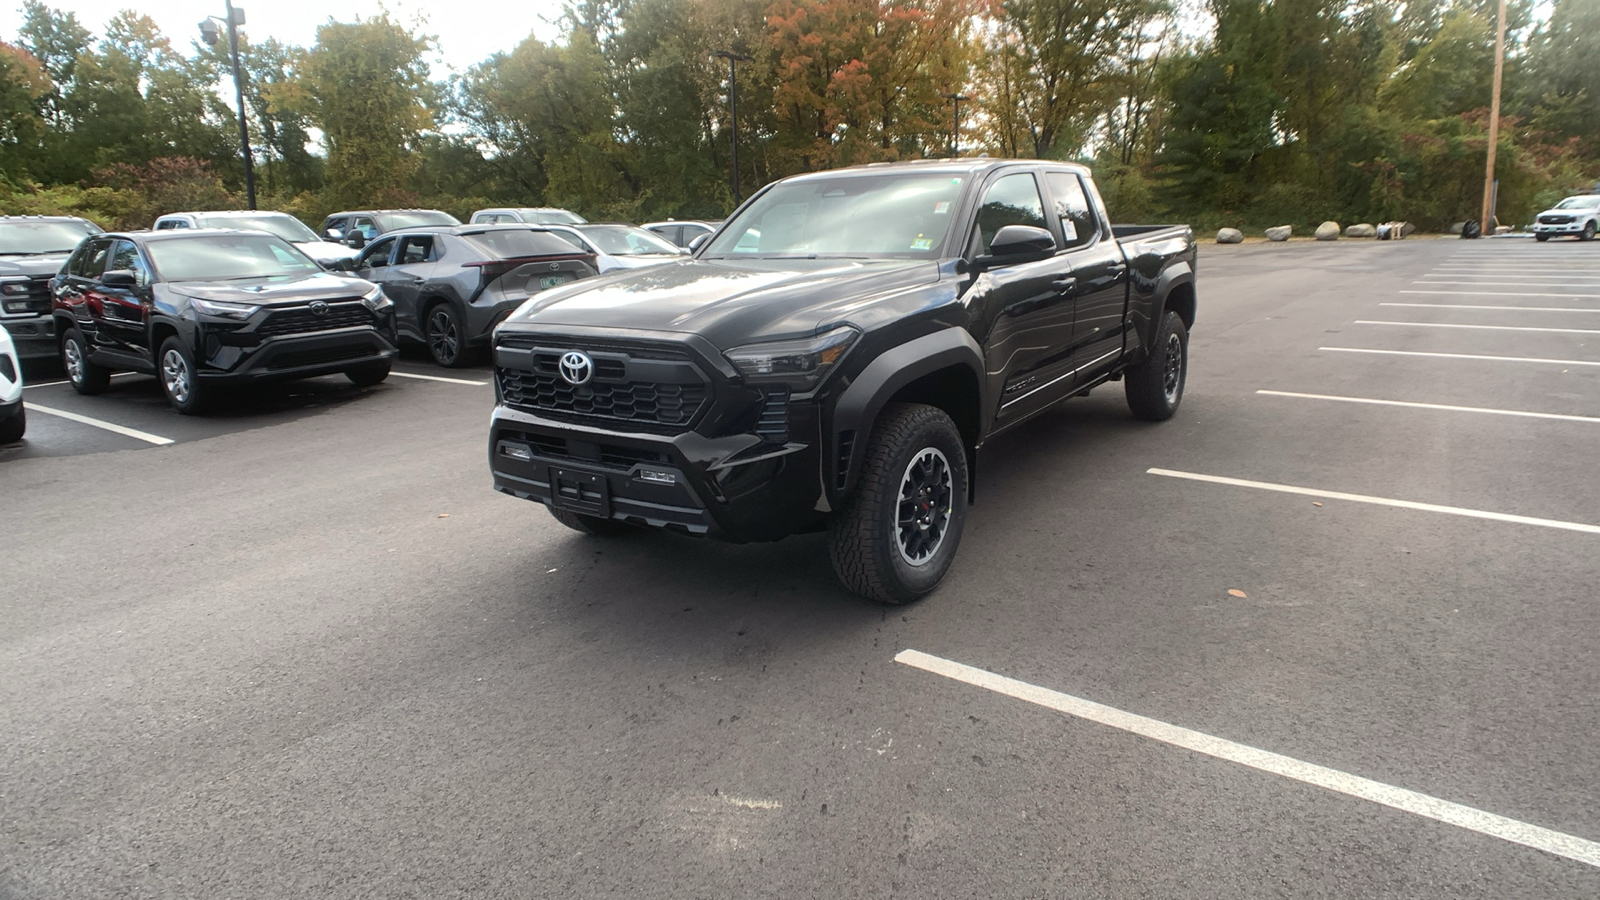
pixel 860 404
pixel 1175 276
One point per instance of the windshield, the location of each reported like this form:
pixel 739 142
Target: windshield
pixel 228 257
pixel 887 215
pixel 37 238
pixel 512 243
pixel 287 227
pixel 625 240
pixel 552 217
pixel 415 217
pixel 1578 203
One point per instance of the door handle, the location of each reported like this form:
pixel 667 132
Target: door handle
pixel 1066 284
pixel 1117 270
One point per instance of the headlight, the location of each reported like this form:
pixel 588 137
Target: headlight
pixel 376 300
pixel 222 310
pixel 18 288
pixel 800 364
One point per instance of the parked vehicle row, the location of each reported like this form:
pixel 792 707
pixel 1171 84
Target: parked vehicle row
pixel 283 225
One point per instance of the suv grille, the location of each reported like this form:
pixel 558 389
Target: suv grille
pixel 650 388
pixel 301 320
pixel 1555 220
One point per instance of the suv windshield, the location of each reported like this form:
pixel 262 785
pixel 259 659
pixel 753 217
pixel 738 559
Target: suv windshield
pixel 38 238
pixel 228 257
pixel 512 243
pixel 625 240
pixel 1578 203
pixel 887 215
pixel 287 227
pixel 414 218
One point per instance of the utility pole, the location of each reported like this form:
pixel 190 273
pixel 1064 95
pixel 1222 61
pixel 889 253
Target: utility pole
pixel 1494 122
pixel 955 122
pixel 733 111
pixel 209 32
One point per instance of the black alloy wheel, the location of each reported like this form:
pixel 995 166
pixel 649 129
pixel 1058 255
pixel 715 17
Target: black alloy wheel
pixel 445 336
pixel 1155 387
pixel 87 378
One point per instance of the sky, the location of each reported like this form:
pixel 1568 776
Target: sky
pixel 464 40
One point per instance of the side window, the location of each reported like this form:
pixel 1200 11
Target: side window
pixel 125 258
pixel 572 239
pixel 364 225
pixel 1013 200
pixel 1078 222
pixel 90 261
pixel 166 224
pixel 336 224
pixel 415 249
pixel 376 254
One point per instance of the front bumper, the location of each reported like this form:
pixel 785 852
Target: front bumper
pixel 1570 228
pixel 290 357
pixel 736 488
pixel 35 336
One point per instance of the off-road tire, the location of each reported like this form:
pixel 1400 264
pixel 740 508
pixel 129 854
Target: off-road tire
pixel 87 378
pixel 367 376
pixel 591 524
pixel 1152 393
pixel 864 538
pixel 195 397
pixel 14 427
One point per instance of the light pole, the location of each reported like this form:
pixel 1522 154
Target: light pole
pixel 1489 192
pixel 955 121
pixel 210 33
pixel 733 110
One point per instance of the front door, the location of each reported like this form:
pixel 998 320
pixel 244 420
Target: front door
pixel 125 311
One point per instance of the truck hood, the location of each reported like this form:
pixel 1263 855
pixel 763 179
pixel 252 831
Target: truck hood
pixel 728 302
pixel 42 264
pixel 264 292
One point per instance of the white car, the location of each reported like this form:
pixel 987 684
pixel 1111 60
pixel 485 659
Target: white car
pixel 526 215
pixel 1578 216
pixel 277 223
pixel 619 246
pixel 13 416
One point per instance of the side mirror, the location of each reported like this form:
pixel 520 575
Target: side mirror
pixel 121 278
pixel 698 241
pixel 356 240
pixel 333 234
pixel 1019 243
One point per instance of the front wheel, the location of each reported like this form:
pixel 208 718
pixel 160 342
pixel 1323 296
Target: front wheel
pixel 1588 232
pixel 13 427
pixel 1155 386
pixel 896 537
pixel 176 369
pixel 367 376
pixel 1541 237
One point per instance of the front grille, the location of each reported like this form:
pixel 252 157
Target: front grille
pixel 1555 220
pixel 651 388
pixel 611 456
pixel 301 320
pixel 35 302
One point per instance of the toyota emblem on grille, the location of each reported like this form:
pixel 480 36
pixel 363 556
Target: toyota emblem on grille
pixel 318 307
pixel 576 367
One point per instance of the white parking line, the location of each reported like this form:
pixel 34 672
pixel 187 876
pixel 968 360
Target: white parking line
pixel 1526 359
pixel 1467 817
pixel 1482 327
pixel 1382 501
pixel 1501 273
pixel 1581 309
pixel 1440 406
pixel 1502 293
pixel 108 426
pixel 1432 280
pixel 437 378
pixel 49 383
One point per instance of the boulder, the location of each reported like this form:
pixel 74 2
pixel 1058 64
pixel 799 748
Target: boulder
pixel 1361 231
pixel 1230 236
pixel 1280 233
pixel 1456 227
pixel 1328 231
pixel 1406 229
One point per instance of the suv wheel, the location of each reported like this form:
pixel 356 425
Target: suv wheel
pixel 1541 237
pixel 367 376
pixel 896 537
pixel 87 378
pixel 176 369
pixel 1588 232
pixel 445 335
pixel 1155 386
pixel 590 524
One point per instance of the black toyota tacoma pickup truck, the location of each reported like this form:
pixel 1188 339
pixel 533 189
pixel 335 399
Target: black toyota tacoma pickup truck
pixel 835 356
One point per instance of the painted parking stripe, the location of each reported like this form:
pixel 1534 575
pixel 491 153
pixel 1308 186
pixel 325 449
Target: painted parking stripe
pixel 1431 280
pixel 438 378
pixel 49 383
pixel 1501 293
pixel 1525 359
pixel 1584 527
pixel 1439 406
pixel 1576 309
pixel 1481 327
pixel 108 426
pixel 1472 819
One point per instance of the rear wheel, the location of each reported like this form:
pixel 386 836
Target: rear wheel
pixel 367 376
pixel 176 369
pixel 445 335
pixel 13 427
pixel 590 524
pixel 896 537
pixel 87 378
pixel 1155 386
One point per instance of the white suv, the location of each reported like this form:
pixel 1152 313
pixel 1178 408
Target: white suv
pixel 13 417
pixel 1578 216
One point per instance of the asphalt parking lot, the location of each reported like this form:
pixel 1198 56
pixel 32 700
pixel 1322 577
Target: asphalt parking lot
pixel 1330 632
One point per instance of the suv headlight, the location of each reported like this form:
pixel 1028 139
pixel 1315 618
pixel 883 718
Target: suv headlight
pixel 801 364
pixel 376 300
pixel 221 309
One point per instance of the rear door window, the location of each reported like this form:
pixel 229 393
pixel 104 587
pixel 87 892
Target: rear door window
pixel 1078 223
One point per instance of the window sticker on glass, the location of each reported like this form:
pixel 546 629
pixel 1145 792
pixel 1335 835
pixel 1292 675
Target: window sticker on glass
pixel 922 243
pixel 1071 229
pixel 942 207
